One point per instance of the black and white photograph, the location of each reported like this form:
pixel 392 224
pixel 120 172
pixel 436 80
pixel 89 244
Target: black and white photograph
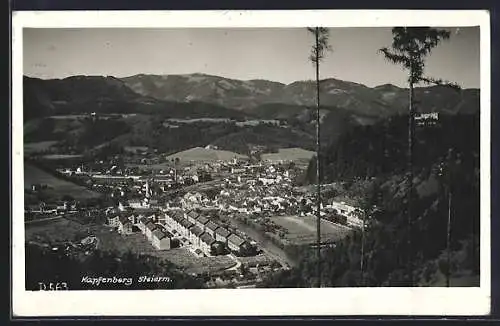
pixel 237 159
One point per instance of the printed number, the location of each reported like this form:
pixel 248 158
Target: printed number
pixel 53 286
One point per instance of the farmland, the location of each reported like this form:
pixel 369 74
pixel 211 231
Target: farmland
pixel 61 156
pixel 302 230
pixel 41 146
pixel 56 187
pixel 289 154
pixel 203 154
pixel 110 240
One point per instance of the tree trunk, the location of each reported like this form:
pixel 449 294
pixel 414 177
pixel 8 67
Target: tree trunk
pixel 410 185
pixel 318 160
pixel 448 238
pixel 362 253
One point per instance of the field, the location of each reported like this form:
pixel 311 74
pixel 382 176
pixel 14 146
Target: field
pixel 203 154
pixel 110 240
pixel 56 187
pixel 38 146
pixel 302 230
pixel 289 154
pixel 61 156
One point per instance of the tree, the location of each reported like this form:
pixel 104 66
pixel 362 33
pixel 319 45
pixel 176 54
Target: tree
pixel 318 52
pixel 410 46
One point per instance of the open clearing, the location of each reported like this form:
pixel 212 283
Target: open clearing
pixel 56 186
pixel 204 154
pixel 110 240
pixel 38 146
pixel 61 156
pixel 302 229
pixel 289 154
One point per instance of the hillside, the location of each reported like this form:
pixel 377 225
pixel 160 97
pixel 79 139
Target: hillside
pixel 165 93
pixel 289 154
pixel 371 162
pixel 383 100
pixel 86 94
pixel 58 110
pixel 204 154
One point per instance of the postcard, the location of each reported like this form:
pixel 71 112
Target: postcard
pixel 257 163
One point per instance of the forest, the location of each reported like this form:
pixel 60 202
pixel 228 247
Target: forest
pixel 445 161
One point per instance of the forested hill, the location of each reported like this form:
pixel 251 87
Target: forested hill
pixel 375 155
pixel 381 149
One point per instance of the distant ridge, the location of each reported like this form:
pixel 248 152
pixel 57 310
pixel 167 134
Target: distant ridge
pixel 154 93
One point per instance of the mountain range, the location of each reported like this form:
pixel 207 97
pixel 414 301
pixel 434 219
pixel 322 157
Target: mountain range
pixel 224 97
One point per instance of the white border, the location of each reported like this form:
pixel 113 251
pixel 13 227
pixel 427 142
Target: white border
pixel 340 301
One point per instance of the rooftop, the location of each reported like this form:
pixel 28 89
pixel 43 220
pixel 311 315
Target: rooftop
pixel 196 230
pixel 159 234
pixel 236 240
pixel 212 226
pixel 207 238
pixel 185 223
pixel 202 219
pixel 222 231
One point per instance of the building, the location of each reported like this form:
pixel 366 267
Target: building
pixel 342 208
pixel 150 228
pixel 201 222
pixel 125 226
pixel 114 220
pixel 141 224
pixel 175 219
pixel 194 235
pixel 206 242
pixel 221 234
pixel 235 242
pixel 192 216
pixel 210 228
pixel 161 240
pixel 184 227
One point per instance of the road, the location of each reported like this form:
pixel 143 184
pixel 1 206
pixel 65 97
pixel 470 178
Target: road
pixel 267 245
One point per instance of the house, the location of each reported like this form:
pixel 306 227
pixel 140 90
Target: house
pixel 150 227
pixel 141 224
pixel 176 217
pixel 194 235
pixel 201 222
pixel 235 242
pixel 221 234
pixel 206 242
pixel 342 208
pixel 114 220
pixel 192 216
pixel 184 227
pixel 135 203
pixel 210 228
pixel 161 240
pixel 125 226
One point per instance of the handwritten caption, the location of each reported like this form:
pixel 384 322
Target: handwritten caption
pixel 97 281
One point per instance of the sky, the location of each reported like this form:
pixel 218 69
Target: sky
pixel 277 54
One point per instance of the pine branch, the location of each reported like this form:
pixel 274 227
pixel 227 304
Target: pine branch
pixel 440 82
pixel 396 58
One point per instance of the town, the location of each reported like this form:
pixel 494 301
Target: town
pixel 235 209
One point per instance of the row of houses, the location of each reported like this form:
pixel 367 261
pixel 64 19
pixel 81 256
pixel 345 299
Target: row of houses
pixel 127 223
pixel 202 232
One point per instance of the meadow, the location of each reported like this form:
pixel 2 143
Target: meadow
pixel 302 229
pixel 56 187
